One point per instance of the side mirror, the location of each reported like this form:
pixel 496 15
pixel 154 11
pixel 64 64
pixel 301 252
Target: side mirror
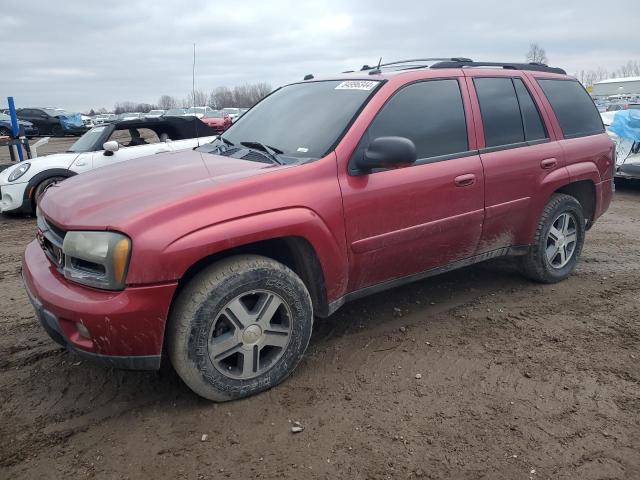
pixel 110 147
pixel 387 152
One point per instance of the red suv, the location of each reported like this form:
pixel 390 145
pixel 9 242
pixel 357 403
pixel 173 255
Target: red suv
pixel 327 190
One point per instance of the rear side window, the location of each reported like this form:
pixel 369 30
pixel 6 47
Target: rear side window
pixel 576 112
pixel 500 111
pixel 429 113
pixel 533 126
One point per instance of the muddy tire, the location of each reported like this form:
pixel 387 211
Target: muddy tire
pixel 239 327
pixel 558 241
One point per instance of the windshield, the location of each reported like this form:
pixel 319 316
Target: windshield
pixel 174 111
pixel 214 114
pixel 86 142
pixel 56 111
pixel 230 111
pixel 5 117
pixel 156 112
pixel 303 120
pixel 196 110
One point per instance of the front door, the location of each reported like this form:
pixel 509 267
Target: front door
pixel 405 221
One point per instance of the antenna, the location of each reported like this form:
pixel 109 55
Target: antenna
pixel 193 92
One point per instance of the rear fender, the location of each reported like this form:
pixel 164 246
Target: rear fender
pixel 552 182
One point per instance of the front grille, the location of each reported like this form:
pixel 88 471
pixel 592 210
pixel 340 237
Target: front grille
pixel 51 238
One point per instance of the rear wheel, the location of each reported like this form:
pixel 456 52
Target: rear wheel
pixel 57 131
pixel 239 327
pixel 558 242
pixel 5 132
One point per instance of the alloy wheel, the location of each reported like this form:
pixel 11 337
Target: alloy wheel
pixel 561 240
pixel 250 334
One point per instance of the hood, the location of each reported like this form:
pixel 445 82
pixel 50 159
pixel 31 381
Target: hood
pixel 115 196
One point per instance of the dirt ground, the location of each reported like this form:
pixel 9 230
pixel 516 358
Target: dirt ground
pixel 518 381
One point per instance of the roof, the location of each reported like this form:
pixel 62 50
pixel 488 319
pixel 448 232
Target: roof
pixel 619 80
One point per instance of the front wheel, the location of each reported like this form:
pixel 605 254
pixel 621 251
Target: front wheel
pixel 57 131
pixel 558 241
pixel 239 327
pixel 42 187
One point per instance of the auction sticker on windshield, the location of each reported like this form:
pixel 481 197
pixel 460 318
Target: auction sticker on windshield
pixel 356 85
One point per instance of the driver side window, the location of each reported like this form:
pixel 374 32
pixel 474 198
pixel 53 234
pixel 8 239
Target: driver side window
pixel 134 137
pixel 430 113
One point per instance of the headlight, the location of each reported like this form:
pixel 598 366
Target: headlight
pixel 97 259
pixel 19 171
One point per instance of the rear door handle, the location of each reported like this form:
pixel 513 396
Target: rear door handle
pixel 465 180
pixel 548 163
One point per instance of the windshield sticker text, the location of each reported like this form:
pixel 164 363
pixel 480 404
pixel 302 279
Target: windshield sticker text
pixel 356 85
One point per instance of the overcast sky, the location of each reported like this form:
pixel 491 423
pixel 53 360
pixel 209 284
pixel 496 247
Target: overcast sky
pixel 83 54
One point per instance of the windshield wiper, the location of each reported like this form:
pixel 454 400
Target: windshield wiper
pixel 228 142
pixel 272 153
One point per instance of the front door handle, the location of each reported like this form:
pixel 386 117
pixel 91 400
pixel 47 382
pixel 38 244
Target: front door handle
pixel 465 180
pixel 548 163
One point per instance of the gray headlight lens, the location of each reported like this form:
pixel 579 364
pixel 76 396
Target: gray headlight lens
pixel 19 171
pixel 97 259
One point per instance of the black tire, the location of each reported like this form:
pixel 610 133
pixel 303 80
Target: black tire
pixel 5 132
pixel 536 264
pixel 202 306
pixel 57 131
pixel 42 186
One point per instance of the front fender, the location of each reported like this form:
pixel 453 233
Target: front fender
pixel 171 263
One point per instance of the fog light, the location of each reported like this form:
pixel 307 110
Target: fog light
pixel 82 330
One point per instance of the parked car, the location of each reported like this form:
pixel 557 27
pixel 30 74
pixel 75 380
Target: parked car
pixel 198 111
pixel 217 120
pixel 233 112
pixel 330 190
pixel 53 121
pixel 27 128
pixel 87 121
pixel 130 116
pixel 23 184
pixel 174 112
pixel 624 129
pixel 105 118
pixel 154 113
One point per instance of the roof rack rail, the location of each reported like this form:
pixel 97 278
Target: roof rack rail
pixel 377 68
pixel 538 67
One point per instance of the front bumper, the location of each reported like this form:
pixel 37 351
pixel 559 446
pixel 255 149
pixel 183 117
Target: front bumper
pixel 12 197
pixel 629 170
pixel 126 327
pixel 74 130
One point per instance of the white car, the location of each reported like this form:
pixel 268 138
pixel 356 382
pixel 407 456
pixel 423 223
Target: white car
pixel 233 112
pixel 198 111
pixel 105 118
pixel 154 113
pixel 21 185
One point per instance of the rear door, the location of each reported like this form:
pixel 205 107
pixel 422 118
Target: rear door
pixel 404 221
pixel 517 151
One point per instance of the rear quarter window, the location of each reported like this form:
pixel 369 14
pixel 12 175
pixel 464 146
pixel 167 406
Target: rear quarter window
pixel 574 108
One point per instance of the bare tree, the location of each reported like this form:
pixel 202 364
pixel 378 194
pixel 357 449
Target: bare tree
pixel 167 102
pixel 221 97
pixel 199 98
pixel 536 54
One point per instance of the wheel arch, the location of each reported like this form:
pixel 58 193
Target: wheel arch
pixel 584 191
pixel 28 201
pixel 295 252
